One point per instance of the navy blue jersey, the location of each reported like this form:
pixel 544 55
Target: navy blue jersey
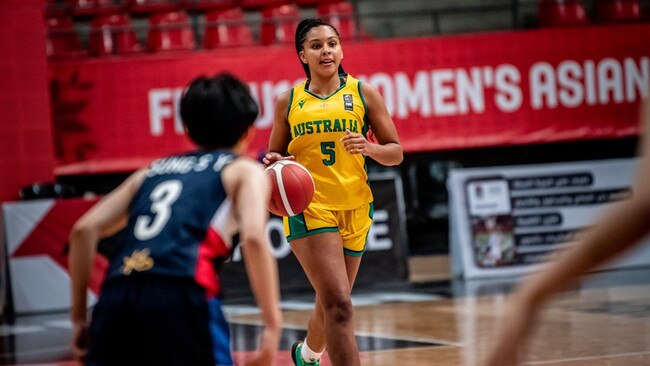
pixel 177 221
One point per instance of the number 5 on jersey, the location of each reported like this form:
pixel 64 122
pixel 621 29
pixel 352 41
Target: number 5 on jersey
pixel 327 148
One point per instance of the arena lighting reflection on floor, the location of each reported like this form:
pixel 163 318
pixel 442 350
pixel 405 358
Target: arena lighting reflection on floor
pixel 603 320
pixel 43 339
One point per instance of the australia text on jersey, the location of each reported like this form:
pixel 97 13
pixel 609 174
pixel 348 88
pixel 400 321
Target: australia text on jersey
pixel 326 125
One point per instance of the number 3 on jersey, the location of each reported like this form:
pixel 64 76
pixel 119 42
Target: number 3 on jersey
pixel 162 198
pixel 327 148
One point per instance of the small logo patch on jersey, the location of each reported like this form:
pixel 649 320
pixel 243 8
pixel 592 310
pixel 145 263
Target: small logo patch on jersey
pixel 139 261
pixel 301 103
pixel 347 102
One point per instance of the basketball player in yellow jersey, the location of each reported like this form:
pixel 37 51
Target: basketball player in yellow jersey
pixel 322 123
pixel 317 125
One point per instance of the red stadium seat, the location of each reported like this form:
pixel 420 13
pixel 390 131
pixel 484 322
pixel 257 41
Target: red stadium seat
pixel 54 8
pixel 62 39
pixel 112 35
pixel 341 16
pixel 279 24
pixel 94 7
pixel 618 11
pixel 170 31
pixel 151 6
pixel 205 5
pixel 562 13
pixel 260 4
pixel 227 28
pixel 313 3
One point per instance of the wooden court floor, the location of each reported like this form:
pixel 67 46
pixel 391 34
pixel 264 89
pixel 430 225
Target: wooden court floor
pixel 603 321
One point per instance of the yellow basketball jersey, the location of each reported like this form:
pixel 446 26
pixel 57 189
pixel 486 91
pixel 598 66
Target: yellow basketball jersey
pixel 317 125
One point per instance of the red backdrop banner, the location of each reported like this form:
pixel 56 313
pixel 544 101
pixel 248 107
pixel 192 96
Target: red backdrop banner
pixel 26 149
pixel 443 93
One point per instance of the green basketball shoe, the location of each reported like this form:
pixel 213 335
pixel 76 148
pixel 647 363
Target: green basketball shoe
pixel 297 359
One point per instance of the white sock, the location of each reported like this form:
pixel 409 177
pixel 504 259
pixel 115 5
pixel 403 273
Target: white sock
pixel 308 355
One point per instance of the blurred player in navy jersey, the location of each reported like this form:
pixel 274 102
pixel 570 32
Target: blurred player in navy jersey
pixel 619 230
pixel 160 302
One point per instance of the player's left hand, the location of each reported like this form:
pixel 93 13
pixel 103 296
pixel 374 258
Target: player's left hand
pixel 516 324
pixel 80 340
pixel 268 348
pixel 356 143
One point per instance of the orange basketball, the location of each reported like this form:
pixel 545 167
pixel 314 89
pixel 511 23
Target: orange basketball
pixel 292 188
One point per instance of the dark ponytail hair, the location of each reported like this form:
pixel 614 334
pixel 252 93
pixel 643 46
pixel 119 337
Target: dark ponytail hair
pixel 301 35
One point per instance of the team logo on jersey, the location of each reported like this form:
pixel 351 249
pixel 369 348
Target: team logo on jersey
pixel 139 261
pixel 347 102
pixel 301 103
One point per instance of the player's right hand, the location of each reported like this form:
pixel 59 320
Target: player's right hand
pixel 80 340
pixel 272 157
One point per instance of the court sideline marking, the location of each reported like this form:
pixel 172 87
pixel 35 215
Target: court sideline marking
pixel 586 358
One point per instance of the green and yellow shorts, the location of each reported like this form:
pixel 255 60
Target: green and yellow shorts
pixel 354 225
